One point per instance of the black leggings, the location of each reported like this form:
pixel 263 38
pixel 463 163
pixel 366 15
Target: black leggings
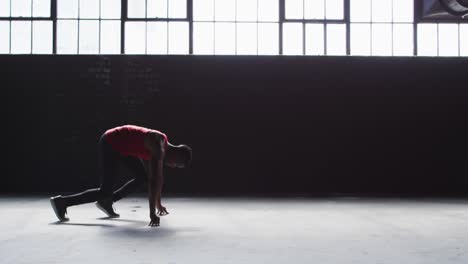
pixel 109 159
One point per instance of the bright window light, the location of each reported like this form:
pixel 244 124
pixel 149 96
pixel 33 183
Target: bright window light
pixel 178 38
pixel 246 39
pixel 110 37
pixel 334 9
pixel 360 10
pixel 67 8
pixel 203 10
pixel 41 8
pixel 360 39
pixel 268 10
pixel 268 38
pixel 315 44
pixel 463 39
pixel 403 42
pixel 225 10
pixel 427 39
pixel 382 39
pixel 89 9
pixel 228 27
pixel 246 10
pixel 156 37
pixel 136 8
pixel 4 37
pixel 177 8
pixel 203 38
pixel 21 8
pixel 403 11
pixel 314 9
pixel 4 8
pixel 292 39
pixel 381 10
pixel 42 37
pixel 110 9
pixel 67 36
pixel 89 37
pixel 135 37
pixel 225 38
pixel 336 39
pixel 157 8
pixel 294 9
pixel 21 37
pixel 448 39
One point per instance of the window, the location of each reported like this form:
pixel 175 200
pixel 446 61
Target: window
pixel 157 27
pixel 227 27
pixel 442 39
pixel 230 27
pixel 314 9
pixel 88 26
pixel 314 27
pixel 157 8
pixel 381 27
pixel 463 39
pixel 25 27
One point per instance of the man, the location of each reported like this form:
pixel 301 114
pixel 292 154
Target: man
pixel 129 145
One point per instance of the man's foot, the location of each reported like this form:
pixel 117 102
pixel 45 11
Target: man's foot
pixel 60 209
pixel 106 207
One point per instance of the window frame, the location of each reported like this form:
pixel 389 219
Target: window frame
pixel 345 21
pixel 124 19
pixel 419 16
pixel 31 19
pixel 418 19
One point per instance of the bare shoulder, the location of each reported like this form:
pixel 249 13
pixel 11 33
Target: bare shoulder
pixel 154 141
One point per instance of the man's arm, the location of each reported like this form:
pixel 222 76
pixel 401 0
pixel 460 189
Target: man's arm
pixel 157 184
pixel 155 143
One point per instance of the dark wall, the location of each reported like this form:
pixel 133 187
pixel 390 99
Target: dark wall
pixel 312 125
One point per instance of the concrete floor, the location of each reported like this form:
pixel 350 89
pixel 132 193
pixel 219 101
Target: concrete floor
pixel 209 230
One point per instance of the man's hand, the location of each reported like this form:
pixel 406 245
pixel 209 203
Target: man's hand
pixel 154 220
pixel 162 210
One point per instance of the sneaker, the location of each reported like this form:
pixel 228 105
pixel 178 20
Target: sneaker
pixel 106 207
pixel 60 209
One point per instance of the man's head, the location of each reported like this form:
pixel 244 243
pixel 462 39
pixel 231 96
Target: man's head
pixel 178 156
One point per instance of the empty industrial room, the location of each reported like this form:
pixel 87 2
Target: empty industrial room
pixel 234 131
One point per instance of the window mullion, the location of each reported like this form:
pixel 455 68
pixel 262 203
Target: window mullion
pixel 415 27
pixel 190 21
pixel 53 14
pixel 347 14
pixel 281 10
pixel 325 36
pixel 99 31
pixel 123 20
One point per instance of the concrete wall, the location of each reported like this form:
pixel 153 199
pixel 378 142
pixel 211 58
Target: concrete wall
pixel 312 125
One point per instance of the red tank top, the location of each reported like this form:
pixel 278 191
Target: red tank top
pixel 128 140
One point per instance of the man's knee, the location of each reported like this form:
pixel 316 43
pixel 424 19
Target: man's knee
pixel 104 192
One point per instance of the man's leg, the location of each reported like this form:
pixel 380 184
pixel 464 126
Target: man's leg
pixel 108 160
pixel 136 166
pixel 88 196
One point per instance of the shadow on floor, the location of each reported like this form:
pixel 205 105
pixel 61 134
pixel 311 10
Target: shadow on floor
pixel 81 224
pixel 136 229
pixel 145 232
pixel 139 222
